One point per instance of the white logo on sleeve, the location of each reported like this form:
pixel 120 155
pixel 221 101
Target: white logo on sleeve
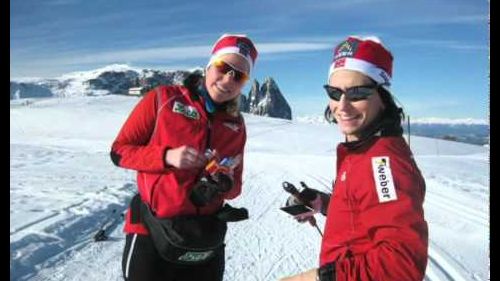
pixel 383 179
pixel 342 178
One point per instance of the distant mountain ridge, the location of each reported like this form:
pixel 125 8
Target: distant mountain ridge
pixel 450 121
pixel 468 130
pixel 113 79
pixel 469 133
pixel 266 100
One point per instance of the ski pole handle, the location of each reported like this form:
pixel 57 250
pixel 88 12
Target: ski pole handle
pixel 290 188
pixel 303 184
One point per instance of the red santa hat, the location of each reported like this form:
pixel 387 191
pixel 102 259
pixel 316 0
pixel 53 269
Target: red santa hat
pixel 238 44
pixel 366 55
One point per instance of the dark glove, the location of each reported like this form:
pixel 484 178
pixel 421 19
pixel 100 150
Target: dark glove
pixel 311 197
pixel 229 213
pixel 321 202
pixel 207 188
pixel 224 182
pixel 327 272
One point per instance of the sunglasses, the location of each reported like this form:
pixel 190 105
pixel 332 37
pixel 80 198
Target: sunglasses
pixel 224 67
pixel 352 94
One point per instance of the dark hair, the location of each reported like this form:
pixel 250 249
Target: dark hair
pixel 193 80
pixel 389 121
pixel 392 116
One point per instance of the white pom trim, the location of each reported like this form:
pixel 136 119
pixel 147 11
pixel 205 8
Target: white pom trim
pixel 378 74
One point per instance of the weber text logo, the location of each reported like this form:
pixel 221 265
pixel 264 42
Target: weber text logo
pixel 383 179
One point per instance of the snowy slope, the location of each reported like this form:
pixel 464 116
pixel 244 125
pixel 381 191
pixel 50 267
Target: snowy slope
pixel 63 187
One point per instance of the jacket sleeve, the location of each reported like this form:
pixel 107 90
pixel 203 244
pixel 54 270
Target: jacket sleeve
pixel 131 148
pixel 396 228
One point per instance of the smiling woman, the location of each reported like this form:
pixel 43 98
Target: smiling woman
pixel 374 218
pixel 186 143
pixel 227 70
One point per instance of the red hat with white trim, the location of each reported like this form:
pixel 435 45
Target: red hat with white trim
pixel 238 44
pixel 366 55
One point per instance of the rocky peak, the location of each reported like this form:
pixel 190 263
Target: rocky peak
pixel 266 100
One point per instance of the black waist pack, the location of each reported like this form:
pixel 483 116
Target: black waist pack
pixel 185 239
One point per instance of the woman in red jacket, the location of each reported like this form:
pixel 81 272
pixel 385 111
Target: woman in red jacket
pixel 375 228
pixel 169 138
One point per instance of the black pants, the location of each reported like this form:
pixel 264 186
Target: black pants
pixel 141 262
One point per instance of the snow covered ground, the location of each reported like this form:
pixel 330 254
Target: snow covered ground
pixel 63 188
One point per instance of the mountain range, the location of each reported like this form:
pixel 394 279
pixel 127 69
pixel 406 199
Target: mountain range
pixel 266 100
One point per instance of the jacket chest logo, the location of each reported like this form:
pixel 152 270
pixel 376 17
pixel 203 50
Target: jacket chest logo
pixel 186 110
pixel 384 183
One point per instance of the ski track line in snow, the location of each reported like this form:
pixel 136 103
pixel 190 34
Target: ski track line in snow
pixel 440 267
pixel 61 257
pixel 457 204
pixel 323 181
pixel 266 209
pixel 66 209
pixel 274 267
pixel 74 232
pixel 53 252
pixel 42 219
pixel 463 212
pixel 435 272
pixel 255 268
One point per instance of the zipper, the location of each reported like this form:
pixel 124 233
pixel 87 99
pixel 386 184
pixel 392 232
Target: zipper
pixel 209 131
pixel 152 193
pixel 349 200
pixel 207 146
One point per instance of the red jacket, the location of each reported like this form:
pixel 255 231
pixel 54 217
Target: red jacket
pixel 375 227
pixel 169 117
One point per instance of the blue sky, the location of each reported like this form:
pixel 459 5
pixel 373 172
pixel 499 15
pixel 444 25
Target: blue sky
pixel 441 47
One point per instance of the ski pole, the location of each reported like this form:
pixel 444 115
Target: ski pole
pixel 290 188
pixel 312 221
pixel 319 230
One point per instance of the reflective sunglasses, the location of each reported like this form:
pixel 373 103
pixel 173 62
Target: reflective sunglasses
pixel 356 93
pixel 224 67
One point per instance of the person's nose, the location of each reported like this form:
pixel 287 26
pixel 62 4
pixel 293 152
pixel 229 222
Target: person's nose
pixel 228 77
pixel 343 103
